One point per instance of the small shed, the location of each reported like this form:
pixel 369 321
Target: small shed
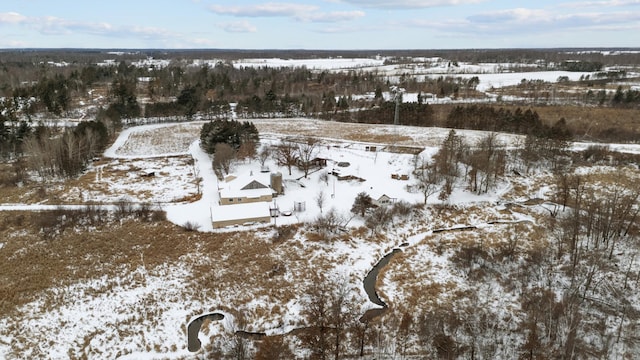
pixel 320 162
pixel 383 199
pixel 400 176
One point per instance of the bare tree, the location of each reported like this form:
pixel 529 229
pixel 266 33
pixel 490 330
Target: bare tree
pixel 328 223
pixel 223 157
pixel 247 150
pixel 427 180
pixel 240 348
pixel 403 334
pixel 329 313
pixel 286 154
pixel 488 162
pixel 379 219
pixel 448 157
pixel 316 337
pixel 320 199
pixel 273 348
pixel 264 154
pixel 307 151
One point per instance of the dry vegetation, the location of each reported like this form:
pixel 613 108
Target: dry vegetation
pixel 258 275
pixel 109 180
pixel 584 121
pixel 32 262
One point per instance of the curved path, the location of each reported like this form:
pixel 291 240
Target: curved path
pixel 193 328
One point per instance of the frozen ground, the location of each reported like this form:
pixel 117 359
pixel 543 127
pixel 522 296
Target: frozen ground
pixel 143 314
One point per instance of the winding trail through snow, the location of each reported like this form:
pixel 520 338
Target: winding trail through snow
pixel 198 212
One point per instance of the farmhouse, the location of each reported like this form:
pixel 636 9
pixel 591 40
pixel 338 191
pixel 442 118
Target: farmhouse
pixel 245 199
pixel 245 189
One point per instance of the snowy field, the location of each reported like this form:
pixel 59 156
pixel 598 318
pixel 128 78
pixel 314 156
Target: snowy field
pixel 143 313
pixel 491 75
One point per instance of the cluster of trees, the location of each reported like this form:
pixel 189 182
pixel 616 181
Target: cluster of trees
pixel 53 223
pixel 65 154
pixel 124 98
pixel 178 90
pixel 488 118
pixel 13 131
pixel 598 217
pixel 53 92
pixel 629 98
pixel 414 114
pixel 626 98
pixel 271 103
pixel 479 166
pixel 581 66
pixel 228 140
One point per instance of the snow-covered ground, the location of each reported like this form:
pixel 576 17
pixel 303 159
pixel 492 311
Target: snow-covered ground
pixel 143 314
pixel 375 168
pixel 313 64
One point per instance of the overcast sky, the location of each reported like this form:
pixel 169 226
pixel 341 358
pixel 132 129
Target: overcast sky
pixel 318 24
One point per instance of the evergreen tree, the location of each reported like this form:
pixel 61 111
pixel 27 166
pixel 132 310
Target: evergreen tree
pixel 362 203
pixel 190 100
pixel 230 132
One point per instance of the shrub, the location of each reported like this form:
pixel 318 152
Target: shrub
pixel 124 208
pixel 190 226
pixel 158 216
pixel 144 211
pixel 283 233
pixel 596 153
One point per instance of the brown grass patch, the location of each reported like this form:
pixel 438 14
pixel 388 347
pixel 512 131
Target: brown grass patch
pixel 29 264
pixel 584 121
pixel 377 138
pixel 190 198
pixel 623 176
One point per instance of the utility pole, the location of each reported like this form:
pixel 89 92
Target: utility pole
pixel 397 96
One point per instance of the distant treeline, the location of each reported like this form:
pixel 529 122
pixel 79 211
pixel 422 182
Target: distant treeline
pixel 87 56
pixel 489 118
pixel 413 114
pixel 581 66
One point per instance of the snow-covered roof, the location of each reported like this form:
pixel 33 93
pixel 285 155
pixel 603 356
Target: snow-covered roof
pixel 249 194
pixel 234 187
pixel 379 194
pixel 240 211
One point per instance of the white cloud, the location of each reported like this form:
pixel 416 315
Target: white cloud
pixel 330 17
pixel 511 15
pixel 603 3
pixel 13 44
pixel 264 10
pixel 51 25
pixel 300 12
pixel 531 22
pixel 12 18
pixel 238 27
pixel 408 4
pixel 147 32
